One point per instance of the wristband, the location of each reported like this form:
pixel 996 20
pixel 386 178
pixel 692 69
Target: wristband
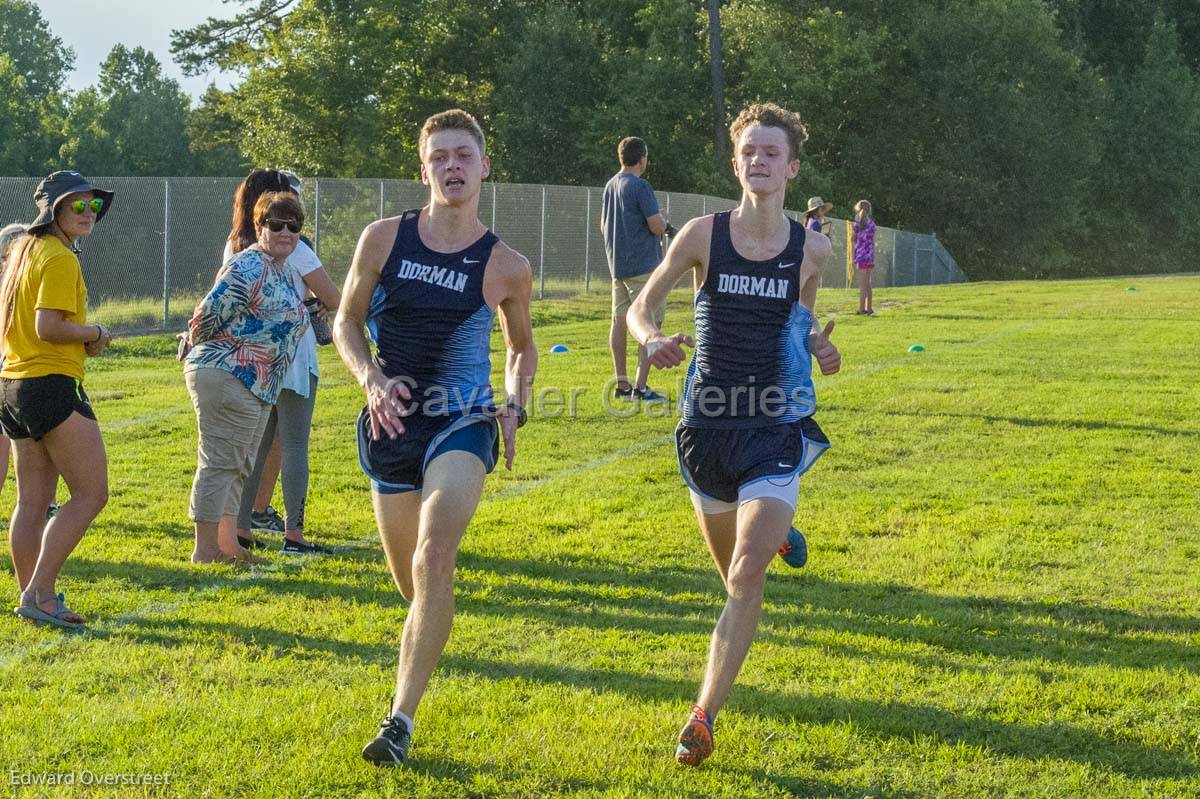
pixel 522 417
pixel 99 334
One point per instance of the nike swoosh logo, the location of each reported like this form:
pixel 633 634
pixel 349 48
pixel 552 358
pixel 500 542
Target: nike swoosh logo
pixel 470 261
pixel 785 266
pixel 785 465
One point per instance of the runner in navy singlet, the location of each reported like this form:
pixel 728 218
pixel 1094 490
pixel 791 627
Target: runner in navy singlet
pixel 428 285
pixel 747 432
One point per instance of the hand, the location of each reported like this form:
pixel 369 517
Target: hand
pixel 509 419
pixel 386 406
pixel 94 347
pixel 827 355
pixel 322 312
pixel 667 351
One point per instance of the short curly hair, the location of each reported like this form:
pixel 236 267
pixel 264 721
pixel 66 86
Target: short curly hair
pixel 454 119
pixel 771 116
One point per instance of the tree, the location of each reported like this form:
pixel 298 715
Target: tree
pixel 145 113
pixel 1152 163
pixel 214 137
pixel 21 139
pixel 37 55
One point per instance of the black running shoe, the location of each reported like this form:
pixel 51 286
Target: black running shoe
pixel 291 547
pixel 268 521
pixel 251 543
pixel 623 393
pixel 390 746
pixel 648 394
pixel 51 511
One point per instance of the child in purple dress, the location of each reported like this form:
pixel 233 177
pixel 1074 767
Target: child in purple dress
pixel 863 233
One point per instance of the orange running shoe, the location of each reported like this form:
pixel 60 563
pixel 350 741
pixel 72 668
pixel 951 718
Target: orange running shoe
pixel 695 739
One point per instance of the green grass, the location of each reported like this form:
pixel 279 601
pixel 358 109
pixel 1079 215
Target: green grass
pixel 1001 599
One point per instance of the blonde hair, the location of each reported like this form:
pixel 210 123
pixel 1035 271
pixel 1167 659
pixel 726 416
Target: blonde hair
pixel 15 260
pixel 862 212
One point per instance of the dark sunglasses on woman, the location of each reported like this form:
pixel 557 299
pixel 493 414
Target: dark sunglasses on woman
pixel 276 225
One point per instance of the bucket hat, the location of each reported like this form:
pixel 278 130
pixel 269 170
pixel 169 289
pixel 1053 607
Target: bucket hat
pixel 816 202
pixel 54 188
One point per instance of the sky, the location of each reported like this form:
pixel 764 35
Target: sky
pixel 92 28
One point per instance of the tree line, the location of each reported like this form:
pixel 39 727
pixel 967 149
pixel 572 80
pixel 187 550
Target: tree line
pixel 1036 137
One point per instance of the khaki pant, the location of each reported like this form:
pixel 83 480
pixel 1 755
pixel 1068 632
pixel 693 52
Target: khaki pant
pixel 626 289
pixel 231 421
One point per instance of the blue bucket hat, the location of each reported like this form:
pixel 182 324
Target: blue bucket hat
pixel 54 188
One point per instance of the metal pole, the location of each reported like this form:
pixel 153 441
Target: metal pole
pixel 892 269
pixel 381 199
pixel 166 297
pixel 703 205
pixel 317 218
pixel 916 258
pixel 542 250
pixel 493 207
pixel 587 242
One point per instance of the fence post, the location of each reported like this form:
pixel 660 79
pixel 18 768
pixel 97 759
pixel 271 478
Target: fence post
pixel 892 268
pixel 542 252
pixel 587 242
pixel 494 187
pixel 317 217
pixel 381 199
pixel 166 253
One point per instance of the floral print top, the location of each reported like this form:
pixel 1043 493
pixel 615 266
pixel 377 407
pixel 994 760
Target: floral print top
pixel 249 324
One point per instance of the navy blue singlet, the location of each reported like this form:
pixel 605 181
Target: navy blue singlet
pixel 751 366
pixel 431 323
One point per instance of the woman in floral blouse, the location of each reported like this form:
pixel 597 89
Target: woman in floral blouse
pixel 244 336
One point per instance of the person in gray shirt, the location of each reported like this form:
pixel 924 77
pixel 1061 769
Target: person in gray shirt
pixel 632 226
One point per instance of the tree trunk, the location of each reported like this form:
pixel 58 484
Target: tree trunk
pixel 720 136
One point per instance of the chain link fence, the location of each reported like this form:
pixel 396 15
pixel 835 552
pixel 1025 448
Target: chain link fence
pixel 160 245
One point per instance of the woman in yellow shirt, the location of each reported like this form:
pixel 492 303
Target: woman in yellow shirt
pixel 43 407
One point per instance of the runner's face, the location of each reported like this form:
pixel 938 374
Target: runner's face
pixel 453 167
pixel 761 162
pixel 73 224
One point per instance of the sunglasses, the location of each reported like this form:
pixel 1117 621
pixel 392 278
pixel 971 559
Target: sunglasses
pixel 79 206
pixel 276 225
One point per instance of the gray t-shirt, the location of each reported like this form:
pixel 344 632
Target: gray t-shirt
pixel 632 249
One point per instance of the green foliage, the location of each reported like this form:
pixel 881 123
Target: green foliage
pixel 38 56
pixel 214 137
pixel 1151 180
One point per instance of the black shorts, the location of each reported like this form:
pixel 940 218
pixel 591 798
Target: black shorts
pixel 30 407
pixel 396 465
pixel 717 463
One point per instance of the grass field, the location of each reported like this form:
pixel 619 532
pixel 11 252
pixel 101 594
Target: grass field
pixel 1002 598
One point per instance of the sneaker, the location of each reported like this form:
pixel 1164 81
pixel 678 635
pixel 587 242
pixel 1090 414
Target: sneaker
pixel 251 543
pixel 648 394
pixel 268 521
pixel 869 313
pixel 291 547
pixel 624 393
pixel 390 746
pixel 52 511
pixel 795 550
pixel 695 739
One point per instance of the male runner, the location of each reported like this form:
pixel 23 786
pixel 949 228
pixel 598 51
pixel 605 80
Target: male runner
pixel 746 433
pixel 428 284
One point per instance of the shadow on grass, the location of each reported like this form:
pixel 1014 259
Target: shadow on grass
pixel 580 595
pixel 891 720
pixel 1022 421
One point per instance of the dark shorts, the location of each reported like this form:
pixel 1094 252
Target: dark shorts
pixel 716 463
pixel 30 407
pixel 396 465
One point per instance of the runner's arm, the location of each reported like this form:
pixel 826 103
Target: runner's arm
pixel 385 406
pixel 688 251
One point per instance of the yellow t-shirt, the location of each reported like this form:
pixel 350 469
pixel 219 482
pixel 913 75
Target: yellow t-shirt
pixel 53 280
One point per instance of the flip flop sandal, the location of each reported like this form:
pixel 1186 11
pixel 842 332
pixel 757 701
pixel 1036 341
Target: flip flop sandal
pixel 61 616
